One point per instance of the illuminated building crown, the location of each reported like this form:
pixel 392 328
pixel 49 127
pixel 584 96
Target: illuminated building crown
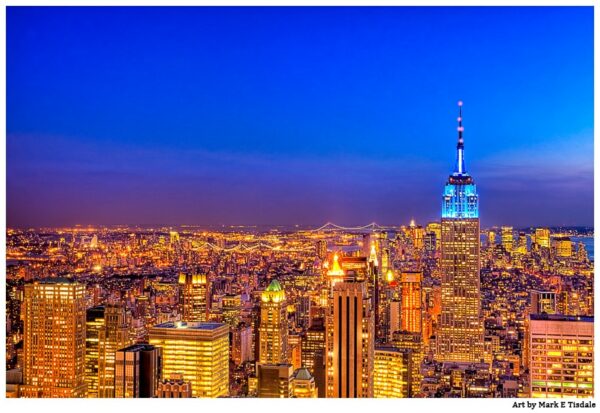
pixel 460 199
pixel 274 293
pixel 336 269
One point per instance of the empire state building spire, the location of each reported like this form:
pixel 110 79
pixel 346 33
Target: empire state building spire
pixel 460 146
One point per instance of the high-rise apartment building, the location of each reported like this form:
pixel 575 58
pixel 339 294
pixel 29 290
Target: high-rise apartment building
pixel 54 339
pixel 561 356
pixel 273 330
pixel 460 334
pixel 197 351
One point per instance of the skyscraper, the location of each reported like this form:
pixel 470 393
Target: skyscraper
pixel 273 330
pixel 54 339
pixel 137 371
pixel 198 351
pixel 193 296
pixel 561 356
pixel 542 237
pixel 113 335
pixel 508 241
pixel 275 380
pixel 460 335
pixel 392 368
pixel 411 313
pixel 94 324
pixel 350 347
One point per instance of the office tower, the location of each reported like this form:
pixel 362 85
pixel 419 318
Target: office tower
pixel 436 229
pixel 241 344
pixel 275 380
pixel 54 339
pixel 460 334
pixel 405 340
pixel 231 309
pixel 137 371
pixel 542 237
pixel 507 238
pixel 522 246
pixel 563 246
pixel 391 377
pixel 350 347
pixel 174 387
pixel 94 324
pixel 412 299
pixel 302 307
pixel 395 316
pixel 193 297
pixel 273 330
pixel 303 385
pixel 543 302
pixel 313 341
pixel 322 249
pixel 113 335
pixel 198 351
pixel 295 350
pixel 561 356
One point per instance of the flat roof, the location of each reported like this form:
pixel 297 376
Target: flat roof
pixel 560 317
pixel 189 325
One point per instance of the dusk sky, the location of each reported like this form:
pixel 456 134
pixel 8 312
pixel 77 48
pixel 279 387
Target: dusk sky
pixel 296 115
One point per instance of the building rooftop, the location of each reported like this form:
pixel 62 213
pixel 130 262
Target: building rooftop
pixel 138 347
pixel 190 325
pixel 560 317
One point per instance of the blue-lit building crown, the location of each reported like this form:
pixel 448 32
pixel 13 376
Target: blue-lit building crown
pixel 460 199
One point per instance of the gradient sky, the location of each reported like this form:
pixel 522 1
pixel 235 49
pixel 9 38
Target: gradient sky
pixel 296 115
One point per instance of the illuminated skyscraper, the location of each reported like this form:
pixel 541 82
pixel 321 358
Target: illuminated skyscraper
pixel 391 373
pixel 561 356
pixel 193 296
pixel 413 342
pixel 350 346
pixel 542 237
pixel 275 380
pixel 508 241
pixel 563 246
pixel 113 335
pixel 313 341
pixel 460 334
pixel 411 313
pixel 273 330
pixel 94 324
pixel 137 371
pixel 198 351
pixel 54 339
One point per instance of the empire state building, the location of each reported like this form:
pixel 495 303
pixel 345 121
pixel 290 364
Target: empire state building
pixel 460 334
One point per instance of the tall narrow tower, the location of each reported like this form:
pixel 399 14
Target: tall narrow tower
pixel 273 330
pixel 460 335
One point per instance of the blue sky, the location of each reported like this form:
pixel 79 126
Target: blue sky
pixel 296 115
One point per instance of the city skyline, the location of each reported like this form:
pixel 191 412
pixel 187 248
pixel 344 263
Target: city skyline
pixel 354 128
